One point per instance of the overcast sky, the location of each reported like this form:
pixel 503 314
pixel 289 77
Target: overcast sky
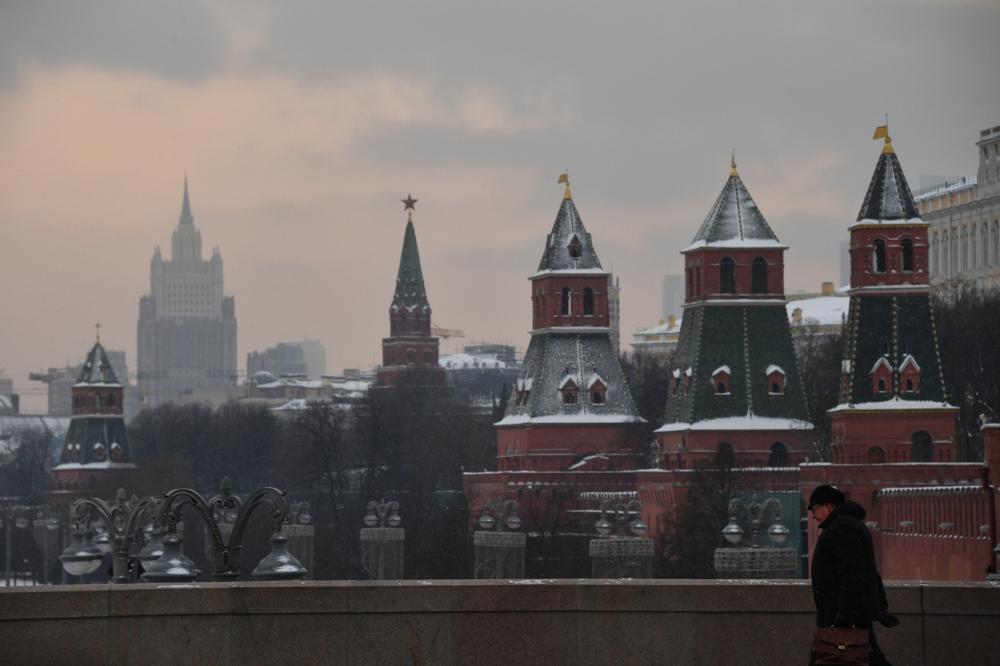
pixel 301 125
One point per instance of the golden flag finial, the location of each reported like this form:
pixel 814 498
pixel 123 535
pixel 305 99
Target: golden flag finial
pixel 882 132
pixel 732 165
pixel 564 178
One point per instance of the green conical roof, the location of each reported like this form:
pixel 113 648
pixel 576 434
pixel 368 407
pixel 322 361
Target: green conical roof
pixel 410 292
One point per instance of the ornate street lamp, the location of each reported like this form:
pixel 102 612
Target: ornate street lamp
pixel 753 560
pixel 119 533
pixel 81 557
pixel 499 553
pixel 224 552
pixel 622 551
pixel 382 541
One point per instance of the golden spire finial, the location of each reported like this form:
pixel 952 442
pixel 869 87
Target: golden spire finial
pixel 98 327
pixel 882 132
pixel 732 164
pixel 564 178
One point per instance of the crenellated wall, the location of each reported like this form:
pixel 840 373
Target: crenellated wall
pixel 471 622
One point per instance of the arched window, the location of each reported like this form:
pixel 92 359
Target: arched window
pixel 724 456
pixel 907 255
pixel 779 455
pixel 881 386
pixel 111 400
pixel 565 305
pixel 759 276
pixel 727 276
pixel 879 256
pixel 588 301
pixel 876 455
pixel 920 447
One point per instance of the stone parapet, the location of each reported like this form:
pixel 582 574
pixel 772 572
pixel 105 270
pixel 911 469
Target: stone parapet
pixel 458 622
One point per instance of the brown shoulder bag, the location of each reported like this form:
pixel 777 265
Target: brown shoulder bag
pixel 841 646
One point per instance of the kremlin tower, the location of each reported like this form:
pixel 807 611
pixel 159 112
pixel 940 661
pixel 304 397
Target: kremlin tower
pixel 735 392
pixel 571 405
pixel 410 347
pixel 893 406
pixel 96 458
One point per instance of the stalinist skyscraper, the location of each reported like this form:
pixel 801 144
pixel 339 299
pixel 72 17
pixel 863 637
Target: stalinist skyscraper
pixel 187 326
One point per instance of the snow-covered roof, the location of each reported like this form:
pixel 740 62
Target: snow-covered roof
pixel 566 227
pixel 771 369
pixel 722 368
pixel 103 464
pixel 568 379
pixel 882 360
pixel 569 419
pixel 738 243
pixel 909 360
pixel 594 379
pixel 97 369
pixel 463 360
pixel 958 185
pixel 750 422
pixel 894 404
pixel 822 310
pixel 569 271
pixel 889 196
pixel 735 218
pixel 662 327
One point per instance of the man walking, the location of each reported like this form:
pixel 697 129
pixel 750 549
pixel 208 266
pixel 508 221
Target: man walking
pixel 845 580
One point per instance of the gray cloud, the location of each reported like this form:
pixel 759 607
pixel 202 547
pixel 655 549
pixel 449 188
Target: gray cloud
pixel 175 40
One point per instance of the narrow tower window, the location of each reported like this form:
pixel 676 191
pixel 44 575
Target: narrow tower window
pixel 879 256
pixel 727 276
pixel 565 306
pixel 588 301
pixel 759 276
pixel 779 455
pixel 920 447
pixel 907 255
pixel 575 248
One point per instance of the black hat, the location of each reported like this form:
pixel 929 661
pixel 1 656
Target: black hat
pixel 825 495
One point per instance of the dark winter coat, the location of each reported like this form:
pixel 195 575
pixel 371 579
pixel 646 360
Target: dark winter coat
pixel 844 576
pixel 880 611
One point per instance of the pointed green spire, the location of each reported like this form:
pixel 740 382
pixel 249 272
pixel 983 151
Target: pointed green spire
pixel 410 278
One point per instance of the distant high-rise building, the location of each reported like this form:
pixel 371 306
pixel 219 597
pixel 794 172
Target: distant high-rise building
pixel 673 295
pixel 314 354
pixel 281 359
pixel 187 325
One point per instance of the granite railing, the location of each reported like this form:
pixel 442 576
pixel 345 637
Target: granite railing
pixel 474 622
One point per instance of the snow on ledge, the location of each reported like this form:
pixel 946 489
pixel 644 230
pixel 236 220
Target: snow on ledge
pixel 569 271
pixel 893 404
pixel 107 464
pixel 868 220
pixel 569 419
pixel 739 423
pixel 737 243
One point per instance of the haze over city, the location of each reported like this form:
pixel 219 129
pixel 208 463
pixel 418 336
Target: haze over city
pixel 300 129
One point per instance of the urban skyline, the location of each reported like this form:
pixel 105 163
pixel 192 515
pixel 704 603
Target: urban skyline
pixel 297 151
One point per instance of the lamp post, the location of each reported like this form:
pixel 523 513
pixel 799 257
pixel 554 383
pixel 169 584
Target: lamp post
pixel 122 529
pixel 382 541
pixel 224 552
pixel 300 532
pixel 754 560
pixel 46 535
pixel 13 515
pixel 499 553
pixel 617 554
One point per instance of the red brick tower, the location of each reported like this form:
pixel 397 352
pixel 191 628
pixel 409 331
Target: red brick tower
pixel 735 392
pixel 410 347
pixel 571 407
pixel 893 402
pixel 96 458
